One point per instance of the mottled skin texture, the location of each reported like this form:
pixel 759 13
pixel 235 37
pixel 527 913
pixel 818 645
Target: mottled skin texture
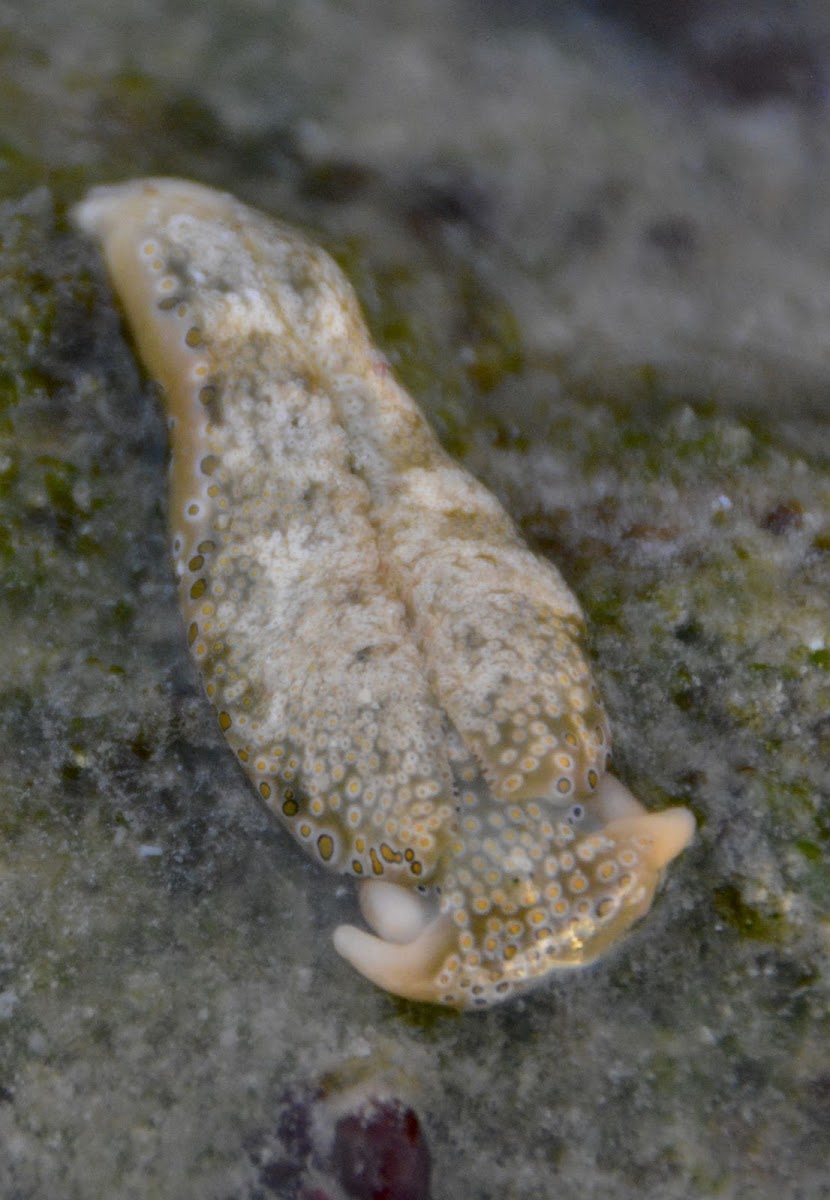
pixel 401 678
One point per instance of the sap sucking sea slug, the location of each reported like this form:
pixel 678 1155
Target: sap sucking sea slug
pixel 402 680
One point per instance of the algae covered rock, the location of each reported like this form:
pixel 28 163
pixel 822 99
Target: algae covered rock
pixel 646 396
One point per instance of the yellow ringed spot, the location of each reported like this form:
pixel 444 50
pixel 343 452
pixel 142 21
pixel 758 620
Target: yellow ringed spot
pixel 305 831
pixel 325 845
pixel 193 337
pixel 290 807
pixel 208 464
pixel 264 788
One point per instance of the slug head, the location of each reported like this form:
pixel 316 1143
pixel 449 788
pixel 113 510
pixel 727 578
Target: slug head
pixel 537 890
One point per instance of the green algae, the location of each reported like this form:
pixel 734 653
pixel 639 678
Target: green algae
pixel 749 922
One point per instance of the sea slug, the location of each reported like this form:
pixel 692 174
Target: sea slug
pixel 401 678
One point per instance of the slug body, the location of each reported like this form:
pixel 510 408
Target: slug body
pixel 401 678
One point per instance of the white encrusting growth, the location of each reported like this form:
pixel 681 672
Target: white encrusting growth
pixel 401 678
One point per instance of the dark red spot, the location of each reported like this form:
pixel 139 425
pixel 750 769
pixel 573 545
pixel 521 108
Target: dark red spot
pixel 782 518
pixel 380 1154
